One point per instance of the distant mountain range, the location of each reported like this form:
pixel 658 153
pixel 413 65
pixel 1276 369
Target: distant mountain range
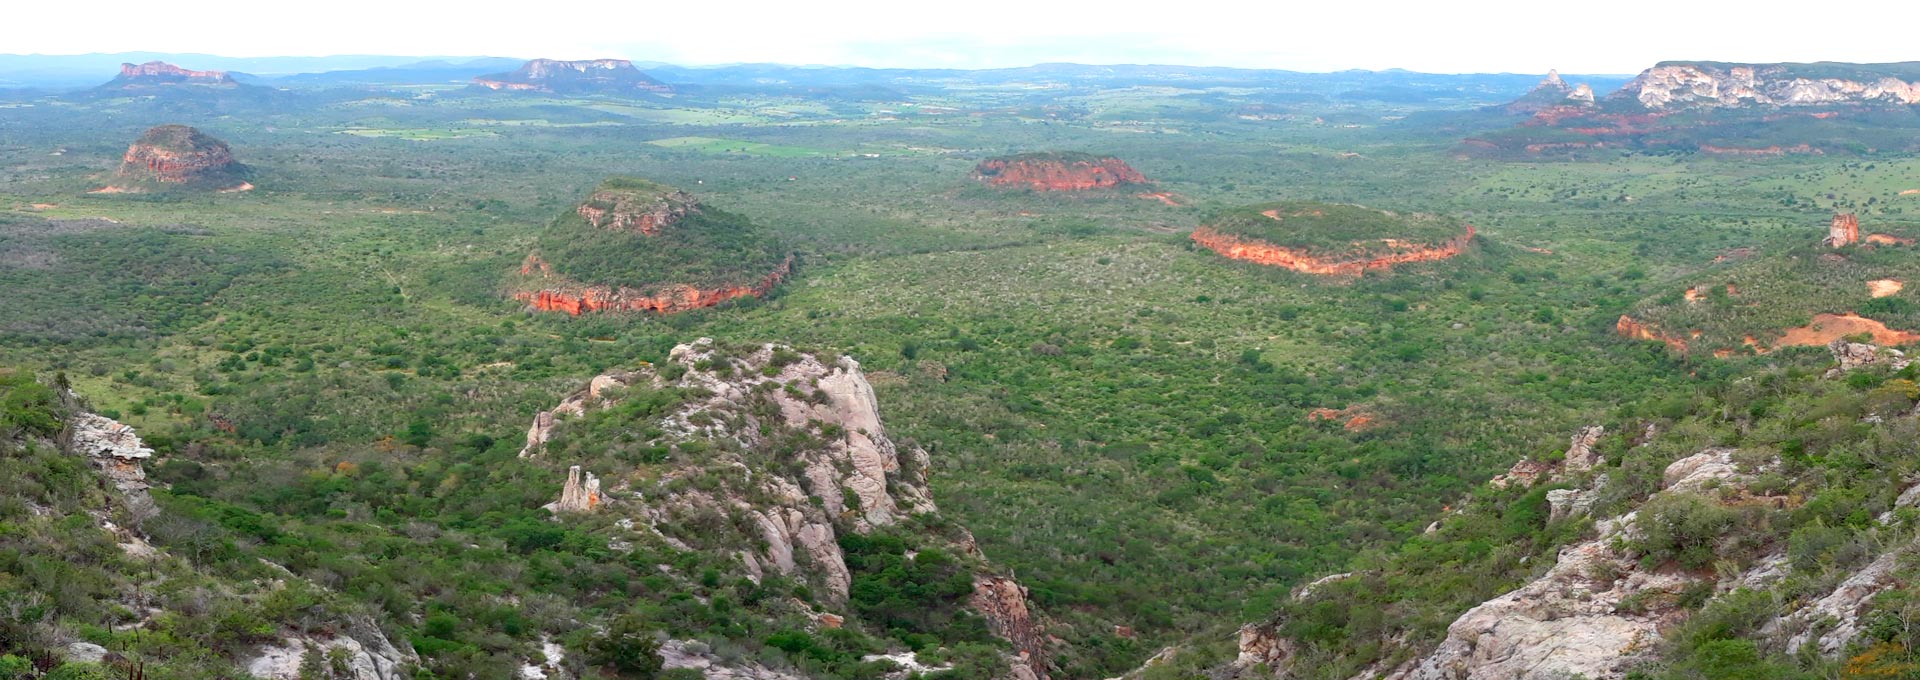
pixel 81 71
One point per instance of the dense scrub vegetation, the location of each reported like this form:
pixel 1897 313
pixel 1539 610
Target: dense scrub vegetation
pixel 1325 229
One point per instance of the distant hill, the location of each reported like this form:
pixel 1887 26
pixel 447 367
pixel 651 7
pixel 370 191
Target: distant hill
pixel 1725 109
pixel 86 70
pixel 592 76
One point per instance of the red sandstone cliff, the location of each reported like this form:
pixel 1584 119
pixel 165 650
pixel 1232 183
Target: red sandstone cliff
pixel 1058 174
pixel 560 295
pixel 178 155
pixel 162 73
pixel 1261 252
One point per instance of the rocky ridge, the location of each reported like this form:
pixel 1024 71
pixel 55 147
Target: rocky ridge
pixel 590 76
pixel 843 473
pixel 1674 86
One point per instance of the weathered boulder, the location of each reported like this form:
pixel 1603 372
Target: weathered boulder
pixel 1852 355
pixel 363 650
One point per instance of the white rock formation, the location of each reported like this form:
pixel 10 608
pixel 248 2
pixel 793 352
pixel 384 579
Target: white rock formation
pixel 1852 355
pixel 1574 620
pixel 368 654
pixel 117 452
pixel 581 493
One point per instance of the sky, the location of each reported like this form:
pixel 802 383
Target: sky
pixel 1611 37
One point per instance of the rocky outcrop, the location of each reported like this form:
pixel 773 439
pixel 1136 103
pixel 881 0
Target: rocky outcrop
pixel 1580 457
pixel 162 74
pixel 1261 252
pixel 590 76
pixel 1057 172
pixel 646 213
pixel 1851 355
pixel 1844 231
pixel 1593 614
pixel 838 471
pixel 574 298
pixel 1004 604
pixel 117 452
pixel 177 155
pixel 1551 94
pixel 1832 621
pixel 364 651
pixel 1670 86
pixel 581 493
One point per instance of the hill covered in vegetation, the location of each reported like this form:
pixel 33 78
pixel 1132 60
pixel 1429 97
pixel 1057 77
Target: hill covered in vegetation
pixel 1333 239
pixel 637 245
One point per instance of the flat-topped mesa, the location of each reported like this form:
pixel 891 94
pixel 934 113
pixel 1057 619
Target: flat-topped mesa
pixel 1699 85
pixel 160 73
pixel 640 246
pixel 178 156
pixel 1331 239
pixel 1844 231
pixel 590 76
pixel 1057 171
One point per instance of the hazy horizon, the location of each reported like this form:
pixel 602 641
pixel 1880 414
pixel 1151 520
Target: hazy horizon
pixel 1492 37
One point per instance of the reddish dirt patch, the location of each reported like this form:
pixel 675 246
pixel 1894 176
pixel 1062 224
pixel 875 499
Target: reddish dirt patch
pixel 1630 327
pixel 1693 294
pixel 1162 197
pixel 1827 328
pixel 1889 240
pixel 1910 192
pixel 1354 418
pixel 1884 287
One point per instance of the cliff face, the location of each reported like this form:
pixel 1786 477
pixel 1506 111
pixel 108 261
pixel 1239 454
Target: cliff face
pixel 1057 172
pixel 177 155
pixel 1693 86
pixel 574 298
pixel 839 471
pixel 160 73
pixel 606 76
pixel 1260 252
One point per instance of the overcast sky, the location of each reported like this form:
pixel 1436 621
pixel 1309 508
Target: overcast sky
pixel 1609 36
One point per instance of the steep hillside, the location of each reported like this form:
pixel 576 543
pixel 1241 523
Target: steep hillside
pixel 777 462
pixel 1808 295
pixel 1762 531
pixel 178 157
pixel 634 245
pixel 100 580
